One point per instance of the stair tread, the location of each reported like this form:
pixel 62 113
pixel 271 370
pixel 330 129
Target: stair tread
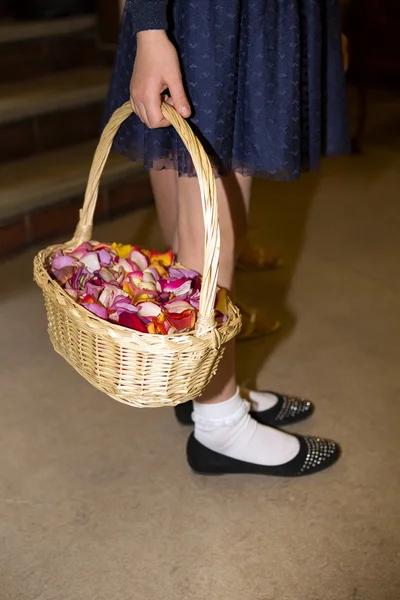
pixel 57 91
pixel 47 179
pixel 16 31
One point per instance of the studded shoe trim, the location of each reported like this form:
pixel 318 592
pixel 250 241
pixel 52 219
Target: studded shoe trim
pixel 293 408
pixel 318 451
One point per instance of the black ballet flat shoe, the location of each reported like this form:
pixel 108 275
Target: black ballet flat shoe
pixel 315 454
pixel 287 411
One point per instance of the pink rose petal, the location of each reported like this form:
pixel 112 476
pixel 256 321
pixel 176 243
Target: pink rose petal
pixel 123 305
pixel 96 309
pixel 153 272
pixel 139 259
pixel 177 273
pixel 93 290
pixel 91 261
pixel 177 306
pixel 81 250
pixel 128 265
pixel 59 262
pixel 194 300
pixel 63 275
pixel 179 287
pixel 149 309
pixel 148 277
pixel 105 258
pixel 79 278
pixel 110 294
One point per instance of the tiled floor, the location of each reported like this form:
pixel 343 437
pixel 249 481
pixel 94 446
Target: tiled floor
pixel 97 501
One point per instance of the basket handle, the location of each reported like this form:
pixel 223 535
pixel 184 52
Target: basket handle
pixel 208 189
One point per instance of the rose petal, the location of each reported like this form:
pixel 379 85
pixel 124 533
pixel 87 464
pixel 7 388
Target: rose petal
pixel 102 246
pixel 179 287
pixel 153 272
pixel 105 258
pixel 81 250
pixel 139 259
pixel 79 278
pixel 221 304
pixel 177 273
pixel 128 265
pixel 148 295
pixel 63 275
pixel 157 326
pixel 107 275
pixel 93 290
pixel 164 258
pixel 182 321
pixel 96 309
pixel 122 250
pixel 59 262
pixel 164 297
pixel 194 300
pixel 132 321
pixel 149 277
pixel 123 305
pixel 148 285
pixel 159 268
pixel 110 294
pixel 149 309
pixel 177 306
pixel 91 261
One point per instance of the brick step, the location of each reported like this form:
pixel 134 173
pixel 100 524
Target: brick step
pixel 40 196
pixel 35 48
pixel 51 112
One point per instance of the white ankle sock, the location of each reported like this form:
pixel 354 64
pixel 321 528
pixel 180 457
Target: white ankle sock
pixel 259 400
pixel 228 429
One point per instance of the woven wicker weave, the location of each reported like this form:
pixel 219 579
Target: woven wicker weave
pixel 141 369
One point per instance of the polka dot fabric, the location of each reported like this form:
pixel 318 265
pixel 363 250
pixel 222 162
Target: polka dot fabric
pixel 265 81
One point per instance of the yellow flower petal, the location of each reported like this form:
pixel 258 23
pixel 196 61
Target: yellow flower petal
pixel 123 250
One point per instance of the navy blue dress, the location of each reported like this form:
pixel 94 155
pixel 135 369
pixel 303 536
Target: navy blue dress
pixel 264 77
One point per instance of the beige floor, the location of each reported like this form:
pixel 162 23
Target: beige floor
pixel 97 502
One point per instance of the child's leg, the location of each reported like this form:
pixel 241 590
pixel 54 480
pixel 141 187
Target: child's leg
pixel 233 193
pixel 222 422
pixel 165 191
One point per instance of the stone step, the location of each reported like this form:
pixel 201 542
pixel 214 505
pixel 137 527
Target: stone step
pixel 41 196
pixel 36 48
pixel 18 31
pixel 51 112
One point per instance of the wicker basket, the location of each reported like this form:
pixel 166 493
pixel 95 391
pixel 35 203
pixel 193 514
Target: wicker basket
pixel 141 369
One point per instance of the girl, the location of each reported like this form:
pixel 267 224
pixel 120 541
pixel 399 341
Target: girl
pixel 262 83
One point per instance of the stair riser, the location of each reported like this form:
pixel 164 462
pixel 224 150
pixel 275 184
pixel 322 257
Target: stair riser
pixel 53 221
pixel 51 131
pixel 34 58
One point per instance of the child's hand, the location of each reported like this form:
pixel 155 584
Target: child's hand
pixel 156 69
pixel 345 52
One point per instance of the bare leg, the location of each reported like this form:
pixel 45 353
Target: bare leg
pixel 165 192
pixel 231 192
pixel 251 257
pixel 222 422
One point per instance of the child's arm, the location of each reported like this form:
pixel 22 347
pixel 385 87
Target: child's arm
pixel 147 14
